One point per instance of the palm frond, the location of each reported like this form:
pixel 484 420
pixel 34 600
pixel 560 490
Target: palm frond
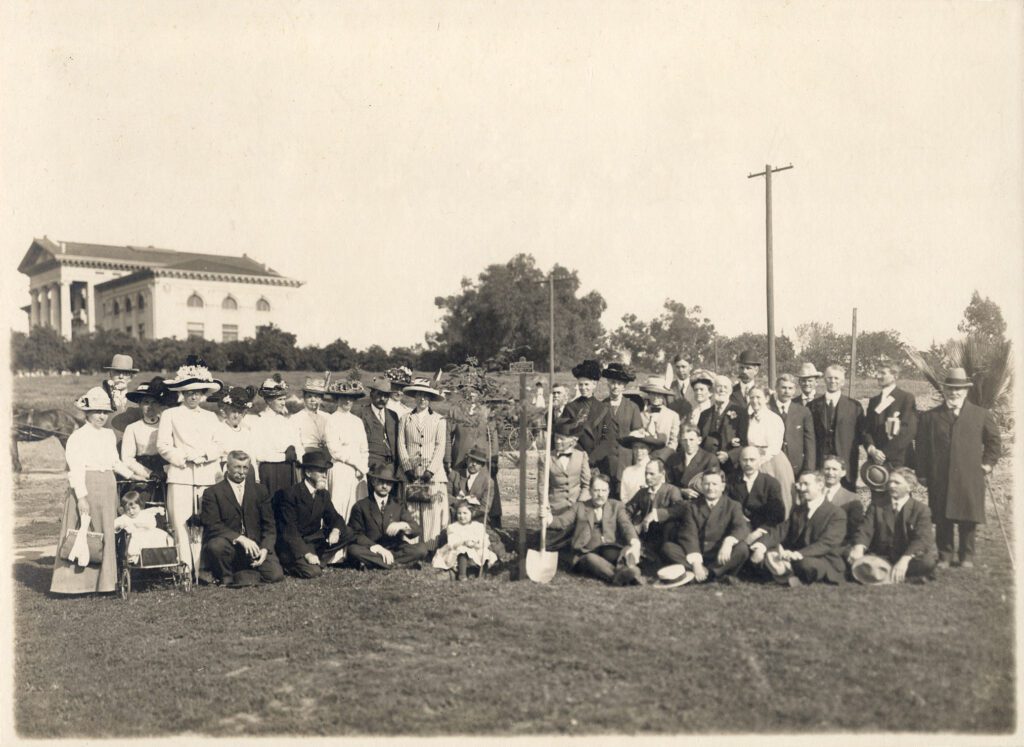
pixel 927 370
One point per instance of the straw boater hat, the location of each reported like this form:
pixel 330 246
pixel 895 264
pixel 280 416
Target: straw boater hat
pixel 314 385
pixel 702 376
pixel 749 358
pixel 808 371
pixel 618 372
pixel 588 369
pixel 672 576
pixel 872 569
pixel 347 389
pixel 641 436
pixel 421 386
pixel 94 400
pixel 121 363
pixel 194 376
pixel 316 459
pixel 239 397
pixel 956 378
pixel 154 389
pixel 656 385
pixel 875 476
pixel 273 387
pixel 780 569
pixel 378 384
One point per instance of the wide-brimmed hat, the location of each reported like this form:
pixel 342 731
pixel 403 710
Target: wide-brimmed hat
pixel 378 384
pixel 641 436
pixel 121 363
pixel 240 397
pixel 316 459
pixel 671 576
pixel 273 387
pixel 618 372
pixel 872 569
pixel 565 427
pixel 656 385
pixel 636 397
pixel 476 454
pixel 194 376
pixel 155 389
pixel 588 369
pixel 94 400
pixel 956 378
pixel 703 376
pixel 421 386
pixel 808 371
pixel 383 472
pixel 399 375
pixel 749 358
pixel 780 569
pixel 875 476
pixel 347 389
pixel 314 385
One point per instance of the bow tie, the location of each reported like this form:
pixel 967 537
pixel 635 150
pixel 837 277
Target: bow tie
pixel 654 408
pixel 563 454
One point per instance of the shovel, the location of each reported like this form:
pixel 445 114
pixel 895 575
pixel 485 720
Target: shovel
pixel 542 565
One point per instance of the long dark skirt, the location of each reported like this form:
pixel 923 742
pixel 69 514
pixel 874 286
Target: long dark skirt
pixel 70 578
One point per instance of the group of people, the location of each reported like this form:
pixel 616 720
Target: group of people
pixel 693 479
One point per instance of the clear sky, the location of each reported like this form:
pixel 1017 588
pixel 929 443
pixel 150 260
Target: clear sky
pixel 382 151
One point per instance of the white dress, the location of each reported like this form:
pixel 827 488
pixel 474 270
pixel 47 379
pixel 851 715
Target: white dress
pixel 767 431
pixel 143 531
pixel 139 440
pixel 312 429
pixel 346 442
pixel 663 424
pixel 632 480
pixel 458 537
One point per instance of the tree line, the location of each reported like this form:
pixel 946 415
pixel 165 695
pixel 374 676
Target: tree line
pixel 497 318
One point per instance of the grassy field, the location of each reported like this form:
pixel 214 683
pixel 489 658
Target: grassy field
pixel 408 652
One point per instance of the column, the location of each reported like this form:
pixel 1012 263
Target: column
pixel 33 309
pixel 90 306
pixel 51 306
pixel 65 309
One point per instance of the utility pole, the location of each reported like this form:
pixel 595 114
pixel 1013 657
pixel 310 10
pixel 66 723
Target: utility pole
pixel 769 275
pixel 853 354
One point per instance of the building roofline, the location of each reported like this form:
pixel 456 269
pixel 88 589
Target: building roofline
pixel 157 272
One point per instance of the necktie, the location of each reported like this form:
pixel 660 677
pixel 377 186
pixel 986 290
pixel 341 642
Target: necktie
pixel 895 507
pixel 784 409
pixel 598 514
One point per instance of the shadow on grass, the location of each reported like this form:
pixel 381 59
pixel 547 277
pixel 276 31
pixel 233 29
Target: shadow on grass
pixel 34 574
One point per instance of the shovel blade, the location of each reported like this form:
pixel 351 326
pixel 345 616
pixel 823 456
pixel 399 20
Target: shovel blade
pixel 541 566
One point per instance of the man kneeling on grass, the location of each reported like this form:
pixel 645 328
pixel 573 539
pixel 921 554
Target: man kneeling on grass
pixel 238 528
pixel 385 533
pixel 709 539
pixel 604 542
pixel 311 532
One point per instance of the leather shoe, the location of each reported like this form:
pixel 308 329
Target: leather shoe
pixel 943 564
pixel 967 563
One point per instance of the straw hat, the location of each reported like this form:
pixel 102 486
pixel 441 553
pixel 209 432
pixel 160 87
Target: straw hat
pixel 875 476
pixel 194 376
pixel 872 569
pixel 273 387
pixel 808 371
pixel 780 569
pixel 421 386
pixel 314 385
pixel 378 384
pixel 956 378
pixel 656 385
pixel 94 400
pixel 671 576
pixel 347 389
pixel 121 363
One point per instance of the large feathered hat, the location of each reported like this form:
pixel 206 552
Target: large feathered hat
pixel 588 369
pixel 194 375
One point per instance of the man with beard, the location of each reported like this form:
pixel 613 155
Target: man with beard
pixel 724 425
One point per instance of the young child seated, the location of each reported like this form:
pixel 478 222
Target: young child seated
pixel 141 525
pixel 468 546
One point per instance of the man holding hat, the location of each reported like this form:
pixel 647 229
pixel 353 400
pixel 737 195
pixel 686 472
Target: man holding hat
pixel 958 444
pixel 890 423
pixel 380 423
pixel 748 366
pixel 808 377
pixel 808 545
pixel 623 417
pixel 310 532
pixel 309 421
pixel 837 425
pixel 384 530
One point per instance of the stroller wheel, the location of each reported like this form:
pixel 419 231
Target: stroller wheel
pixel 125 583
pixel 185 576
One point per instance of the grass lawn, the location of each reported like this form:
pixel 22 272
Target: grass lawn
pixel 407 652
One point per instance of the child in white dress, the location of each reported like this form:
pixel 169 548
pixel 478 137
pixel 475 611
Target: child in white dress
pixel 141 526
pixel 468 546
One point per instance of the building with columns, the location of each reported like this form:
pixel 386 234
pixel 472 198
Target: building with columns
pixel 148 292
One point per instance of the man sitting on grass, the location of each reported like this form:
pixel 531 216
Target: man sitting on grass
pixel 385 532
pixel 812 538
pixel 710 539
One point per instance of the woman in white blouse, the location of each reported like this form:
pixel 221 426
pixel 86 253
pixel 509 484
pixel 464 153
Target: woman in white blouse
pixel 235 432
pixel 138 445
pixel 91 453
pixel 345 435
pixel 188 439
pixel 658 419
pixel 422 434
pixel 702 383
pixel 766 431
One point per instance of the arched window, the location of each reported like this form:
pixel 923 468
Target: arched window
pixel 117 308
pixel 195 302
pixel 229 303
pixel 127 305
pixel 142 305
pixel 263 305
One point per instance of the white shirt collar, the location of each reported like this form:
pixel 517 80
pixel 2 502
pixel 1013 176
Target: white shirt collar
pixel 813 506
pixel 833 397
pixel 238 488
pixel 750 480
pixel 830 493
pixel 887 391
pixel 310 487
pixel 898 505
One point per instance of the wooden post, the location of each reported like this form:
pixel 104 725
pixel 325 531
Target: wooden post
pixel 523 437
pixel 853 354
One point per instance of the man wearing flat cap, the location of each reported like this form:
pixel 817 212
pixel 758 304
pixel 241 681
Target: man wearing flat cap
pixel 958 444
pixel 748 366
pixel 380 422
pixel 623 418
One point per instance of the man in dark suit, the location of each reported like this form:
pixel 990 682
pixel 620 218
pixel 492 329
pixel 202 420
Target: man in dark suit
pixel 723 426
pixel 238 528
pixel 604 541
pixel 683 399
pixel 834 469
pixel 748 366
pixel 837 425
pixel 709 541
pixel 810 541
pixel 958 444
pixel 623 418
pixel 310 532
pixel 808 376
pixel 798 443
pixel 689 462
pixel 470 482
pixel 380 422
pixel 898 529
pixel 383 528
pixel 890 423
pixel 589 416
pixel 654 507
pixel 760 497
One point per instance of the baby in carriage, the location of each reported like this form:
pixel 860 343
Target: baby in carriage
pixel 141 525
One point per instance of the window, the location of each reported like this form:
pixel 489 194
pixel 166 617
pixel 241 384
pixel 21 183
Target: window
pixel 263 305
pixel 127 305
pixel 142 329
pixel 229 303
pixel 195 302
pixel 195 330
pixel 117 308
pixel 142 302
pixel 229 332
pixel 128 330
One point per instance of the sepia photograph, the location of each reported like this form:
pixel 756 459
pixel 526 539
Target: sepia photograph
pixel 477 370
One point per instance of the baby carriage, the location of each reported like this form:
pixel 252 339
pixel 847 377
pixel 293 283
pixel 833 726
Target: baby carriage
pixel 151 563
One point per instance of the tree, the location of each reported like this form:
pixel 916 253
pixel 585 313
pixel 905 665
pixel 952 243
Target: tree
pixel 272 349
pixel 339 355
pixel 374 358
pixel 44 349
pixel 632 341
pixel 507 307
pixel 683 330
pixel 729 349
pixel 983 320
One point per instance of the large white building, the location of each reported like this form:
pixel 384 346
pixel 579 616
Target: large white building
pixel 148 292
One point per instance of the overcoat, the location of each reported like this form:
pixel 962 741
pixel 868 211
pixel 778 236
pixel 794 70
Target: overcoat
pixel 950 453
pixel 621 421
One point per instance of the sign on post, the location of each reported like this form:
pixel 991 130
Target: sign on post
pixel 521 366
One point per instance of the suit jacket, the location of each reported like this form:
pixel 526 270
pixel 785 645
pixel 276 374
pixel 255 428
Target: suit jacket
pixel 460 478
pixel 667 504
pixel 221 515
pixel 798 444
pixel 382 440
pixel 725 430
pixel 592 417
pixel 898 450
pixel 567 485
pixel 302 517
pixel 469 430
pixel 704 528
pixel 625 419
pixel 681 403
pixel 887 535
pixel 737 397
pixel 821 536
pixel 841 436
pixel 802 399
pixel 679 475
pixel 368 524
pixel 762 505
pixel 615 527
pixel 854 509
pixel 950 453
